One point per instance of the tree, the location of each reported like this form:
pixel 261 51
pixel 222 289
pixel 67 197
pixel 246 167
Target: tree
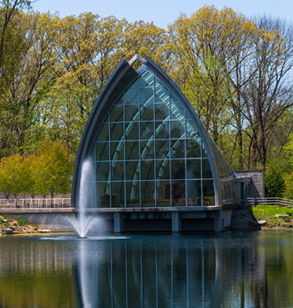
pixel 204 48
pixel 274 183
pixel 12 175
pixel 51 167
pixel 288 176
pixel 8 9
pixel 26 81
pixel 268 92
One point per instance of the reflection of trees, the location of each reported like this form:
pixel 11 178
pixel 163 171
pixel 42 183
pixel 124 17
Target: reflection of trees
pixel 223 270
pixel 35 274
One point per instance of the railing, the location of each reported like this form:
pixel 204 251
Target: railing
pixel 270 201
pixel 35 203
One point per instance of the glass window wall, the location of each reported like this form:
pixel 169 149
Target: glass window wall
pixel 149 153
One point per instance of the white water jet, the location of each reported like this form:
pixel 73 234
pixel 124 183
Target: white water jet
pixel 84 223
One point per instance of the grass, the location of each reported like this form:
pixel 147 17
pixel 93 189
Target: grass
pixel 269 212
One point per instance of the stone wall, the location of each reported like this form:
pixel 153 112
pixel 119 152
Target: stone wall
pixel 254 181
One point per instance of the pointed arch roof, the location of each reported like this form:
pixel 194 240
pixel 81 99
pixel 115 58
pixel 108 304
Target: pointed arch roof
pixel 122 77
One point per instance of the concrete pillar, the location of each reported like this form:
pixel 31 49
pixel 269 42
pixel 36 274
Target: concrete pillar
pixel 118 223
pixel 176 222
pixel 218 222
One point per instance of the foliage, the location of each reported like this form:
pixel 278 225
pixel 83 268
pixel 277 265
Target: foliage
pixel 288 179
pixel 12 175
pixel 51 167
pixel 268 212
pixel 274 183
pixel 21 221
pixel 271 210
pixel 235 71
pixel 45 171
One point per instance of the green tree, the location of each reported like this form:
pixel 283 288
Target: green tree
pixel 51 167
pixel 12 175
pixel 26 81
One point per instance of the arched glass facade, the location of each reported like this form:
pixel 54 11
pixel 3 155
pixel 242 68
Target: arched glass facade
pixel 149 153
pixel 148 148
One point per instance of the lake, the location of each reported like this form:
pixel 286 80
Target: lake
pixel 229 269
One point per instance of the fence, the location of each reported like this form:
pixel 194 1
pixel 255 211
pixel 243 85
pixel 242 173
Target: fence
pixel 270 201
pixel 35 203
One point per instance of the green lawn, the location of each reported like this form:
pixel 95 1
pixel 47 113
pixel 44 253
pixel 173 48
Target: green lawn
pixel 268 212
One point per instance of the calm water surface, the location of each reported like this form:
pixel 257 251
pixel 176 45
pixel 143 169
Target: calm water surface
pixel 193 270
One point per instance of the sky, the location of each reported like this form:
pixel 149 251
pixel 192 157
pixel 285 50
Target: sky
pixel 163 12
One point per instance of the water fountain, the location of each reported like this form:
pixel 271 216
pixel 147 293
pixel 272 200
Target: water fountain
pixel 84 223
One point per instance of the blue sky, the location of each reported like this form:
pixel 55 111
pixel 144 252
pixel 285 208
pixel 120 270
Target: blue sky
pixel 163 12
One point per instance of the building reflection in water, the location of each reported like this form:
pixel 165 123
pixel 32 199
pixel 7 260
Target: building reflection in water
pixel 163 272
pixel 191 270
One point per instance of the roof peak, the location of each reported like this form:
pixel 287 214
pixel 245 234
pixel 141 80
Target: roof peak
pixel 137 57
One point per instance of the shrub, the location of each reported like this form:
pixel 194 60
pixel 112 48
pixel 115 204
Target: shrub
pixel 274 184
pixel 22 221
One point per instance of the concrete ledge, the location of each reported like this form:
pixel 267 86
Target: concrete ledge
pixel 34 211
pixel 151 209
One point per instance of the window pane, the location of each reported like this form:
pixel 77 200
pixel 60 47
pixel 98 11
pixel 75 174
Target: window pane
pixel 117 190
pixel 148 193
pixel 178 169
pixel 131 131
pixel 162 94
pixel 203 151
pixel 117 170
pixel 206 169
pixel 177 129
pixel 147 170
pixel 146 95
pixel 131 113
pixel 178 193
pixel 163 193
pixel 104 133
pixel 132 151
pixel 173 98
pixel 146 80
pixel 162 130
pixel 208 192
pixel 177 111
pixel 132 194
pixel 193 168
pixel 192 148
pixel 194 193
pixel 162 148
pixel 191 130
pixel 102 193
pixel 102 150
pixel 147 149
pixel 117 113
pixel 146 130
pixel 102 171
pixel 146 112
pixel 161 111
pixel 131 96
pixel 163 169
pixel 117 150
pixel 116 131
pixel 178 148
pixel 132 170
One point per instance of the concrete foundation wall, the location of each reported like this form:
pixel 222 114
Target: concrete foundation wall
pixel 136 220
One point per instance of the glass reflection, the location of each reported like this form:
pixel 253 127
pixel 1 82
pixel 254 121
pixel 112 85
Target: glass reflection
pixel 240 269
pixel 152 139
pixel 177 271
